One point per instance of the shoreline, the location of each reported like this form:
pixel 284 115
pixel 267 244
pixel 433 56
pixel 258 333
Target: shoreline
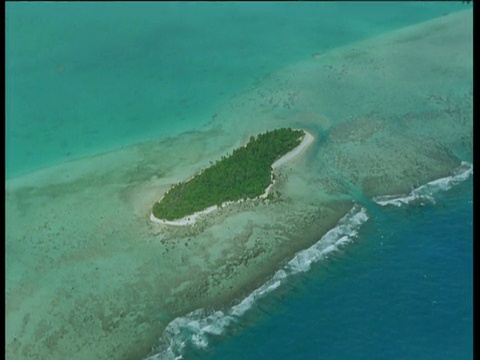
pixel 307 140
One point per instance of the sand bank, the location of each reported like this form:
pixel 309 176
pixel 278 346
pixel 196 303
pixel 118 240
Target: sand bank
pixel 191 219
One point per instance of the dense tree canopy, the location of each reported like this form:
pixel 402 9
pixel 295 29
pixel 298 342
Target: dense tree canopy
pixel 243 174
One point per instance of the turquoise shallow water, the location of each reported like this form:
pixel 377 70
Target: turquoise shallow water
pixel 85 78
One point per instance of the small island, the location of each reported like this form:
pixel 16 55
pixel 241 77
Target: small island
pixel 245 174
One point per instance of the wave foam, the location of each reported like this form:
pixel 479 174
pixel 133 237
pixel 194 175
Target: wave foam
pixel 425 192
pixel 194 328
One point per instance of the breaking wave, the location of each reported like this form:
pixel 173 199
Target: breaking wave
pixel 426 192
pixel 193 329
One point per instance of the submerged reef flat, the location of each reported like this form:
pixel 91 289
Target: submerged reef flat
pixel 89 276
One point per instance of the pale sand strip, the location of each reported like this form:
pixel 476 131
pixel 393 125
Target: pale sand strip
pixel 190 219
pixel 306 142
pixel 187 220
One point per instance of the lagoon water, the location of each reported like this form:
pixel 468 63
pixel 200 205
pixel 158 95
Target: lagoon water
pixel 85 78
pixel 94 88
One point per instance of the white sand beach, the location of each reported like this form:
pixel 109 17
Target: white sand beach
pixel 306 142
pixel 187 220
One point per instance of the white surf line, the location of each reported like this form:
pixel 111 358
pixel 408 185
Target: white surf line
pixel 460 174
pixel 190 219
pixel 201 323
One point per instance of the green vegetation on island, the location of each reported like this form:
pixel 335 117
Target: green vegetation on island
pixel 246 173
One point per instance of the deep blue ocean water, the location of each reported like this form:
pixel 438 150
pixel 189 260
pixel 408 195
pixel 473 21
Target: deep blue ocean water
pixel 402 290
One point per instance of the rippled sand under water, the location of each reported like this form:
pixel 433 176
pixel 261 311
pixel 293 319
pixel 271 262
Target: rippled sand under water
pixel 90 276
